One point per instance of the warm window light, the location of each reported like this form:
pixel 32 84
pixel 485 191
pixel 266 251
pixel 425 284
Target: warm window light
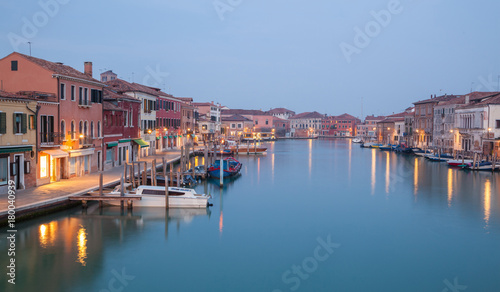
pixel 451 131
pixel 149 131
pixel 81 136
pixel 165 129
pixel 489 129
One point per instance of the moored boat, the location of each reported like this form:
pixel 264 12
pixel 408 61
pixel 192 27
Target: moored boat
pixel 357 140
pixel 459 162
pixel 230 168
pixel 154 196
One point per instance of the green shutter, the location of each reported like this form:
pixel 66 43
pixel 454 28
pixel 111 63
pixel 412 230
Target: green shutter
pixel 24 128
pixel 3 123
pixel 14 124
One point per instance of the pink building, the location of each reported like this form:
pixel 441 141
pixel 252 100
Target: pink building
pixel 70 129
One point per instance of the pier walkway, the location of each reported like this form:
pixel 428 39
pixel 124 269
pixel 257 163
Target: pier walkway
pixel 58 192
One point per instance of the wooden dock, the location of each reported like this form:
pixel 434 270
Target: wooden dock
pixel 86 198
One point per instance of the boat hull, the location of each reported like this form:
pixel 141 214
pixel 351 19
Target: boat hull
pixel 173 202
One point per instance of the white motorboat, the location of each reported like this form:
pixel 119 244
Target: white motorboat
pixel 357 140
pixel 153 196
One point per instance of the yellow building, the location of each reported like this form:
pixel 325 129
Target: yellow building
pixel 17 141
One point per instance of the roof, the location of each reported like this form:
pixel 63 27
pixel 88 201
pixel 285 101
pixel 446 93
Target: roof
pixel 392 120
pixel 280 110
pixel 121 86
pixel 243 112
pixel 236 118
pixel 58 68
pixel 374 118
pixel 185 99
pixel 203 104
pixel 437 99
pixel 109 106
pixel 308 115
pixel 10 95
pixel 491 98
pixel 345 116
pixel 109 93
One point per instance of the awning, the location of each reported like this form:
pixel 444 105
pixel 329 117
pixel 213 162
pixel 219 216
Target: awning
pixel 165 137
pixel 13 149
pixel 112 144
pixel 81 152
pixel 124 140
pixel 141 143
pixel 56 153
pixel 158 138
pixel 170 137
pixel 192 135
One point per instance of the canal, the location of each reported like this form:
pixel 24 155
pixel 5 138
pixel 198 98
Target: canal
pixel 311 215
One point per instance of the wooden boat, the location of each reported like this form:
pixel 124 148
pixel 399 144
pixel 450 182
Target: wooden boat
pixel 484 166
pixel 440 158
pixel 459 162
pixel 230 167
pixel 246 148
pixel 154 196
pixel 385 148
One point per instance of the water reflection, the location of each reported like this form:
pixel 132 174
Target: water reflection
pixel 487 201
pixel 350 157
pixel 310 157
pixel 387 173
pixel 415 178
pixel 47 234
pixel 374 170
pixel 82 246
pixel 450 186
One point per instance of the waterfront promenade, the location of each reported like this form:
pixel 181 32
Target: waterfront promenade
pixel 49 194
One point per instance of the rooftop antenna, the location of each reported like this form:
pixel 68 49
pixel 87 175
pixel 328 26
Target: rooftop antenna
pixel 29 43
pixel 471 84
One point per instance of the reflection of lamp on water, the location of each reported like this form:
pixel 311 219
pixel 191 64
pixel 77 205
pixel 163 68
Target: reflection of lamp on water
pixel 82 246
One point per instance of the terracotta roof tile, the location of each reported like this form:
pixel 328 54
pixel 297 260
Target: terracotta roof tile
pixel 308 115
pixel 243 112
pixel 235 118
pixel 58 68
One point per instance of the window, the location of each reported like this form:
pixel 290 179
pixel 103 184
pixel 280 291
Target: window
pixel 80 95
pixel 92 129
pixel 3 123
pixel 73 130
pixel 233 126
pixel 267 122
pixel 20 121
pixel 13 65
pixel 73 88
pixel 63 130
pixel 256 122
pixel 99 129
pixel 4 168
pixel 72 165
pixel 95 96
pixel 80 128
pixel 31 122
pixel 86 97
pixel 125 120
pixel 62 92
pixel 109 155
pixel 497 122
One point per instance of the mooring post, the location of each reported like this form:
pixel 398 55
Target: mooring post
pixel 153 172
pixel 178 179
pixel 122 191
pixel 125 167
pixel 144 178
pixel 164 172
pixel 221 171
pixel 182 158
pixel 248 147
pixel 132 175
pixel 100 183
pixel 171 171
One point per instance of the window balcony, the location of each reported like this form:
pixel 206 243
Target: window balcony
pixel 51 139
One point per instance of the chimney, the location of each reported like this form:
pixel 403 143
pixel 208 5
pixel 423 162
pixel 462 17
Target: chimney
pixel 466 99
pixel 87 69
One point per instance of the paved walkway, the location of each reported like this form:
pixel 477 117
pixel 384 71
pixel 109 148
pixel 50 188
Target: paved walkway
pixel 60 191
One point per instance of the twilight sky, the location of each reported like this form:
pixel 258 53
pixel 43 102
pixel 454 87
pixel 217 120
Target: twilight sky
pixel 323 55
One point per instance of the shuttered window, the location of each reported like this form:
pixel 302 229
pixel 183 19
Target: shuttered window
pixel 3 123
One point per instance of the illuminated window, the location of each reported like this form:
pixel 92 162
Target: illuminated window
pixel 4 170
pixel 44 166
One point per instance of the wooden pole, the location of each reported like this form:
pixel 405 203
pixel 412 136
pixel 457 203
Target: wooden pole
pixel 132 175
pixel 153 172
pixel 144 178
pixel 164 172
pixel 221 171
pixel 205 156
pixel 192 164
pixel 100 183
pixel 171 171
pixel 125 167
pixel 182 158
pixel 474 161
pixel 178 179
pixel 138 173
pixel 166 192
pixel 122 191
pixel 493 163
pixel 248 147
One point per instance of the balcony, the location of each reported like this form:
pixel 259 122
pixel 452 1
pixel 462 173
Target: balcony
pixel 85 142
pixel 84 104
pixel 51 139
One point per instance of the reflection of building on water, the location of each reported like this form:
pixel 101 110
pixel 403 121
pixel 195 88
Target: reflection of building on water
pixel 82 246
pixel 487 201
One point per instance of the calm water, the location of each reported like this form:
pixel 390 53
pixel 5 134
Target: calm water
pixel 320 215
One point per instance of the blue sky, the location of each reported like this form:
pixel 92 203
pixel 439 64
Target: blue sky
pixel 264 54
